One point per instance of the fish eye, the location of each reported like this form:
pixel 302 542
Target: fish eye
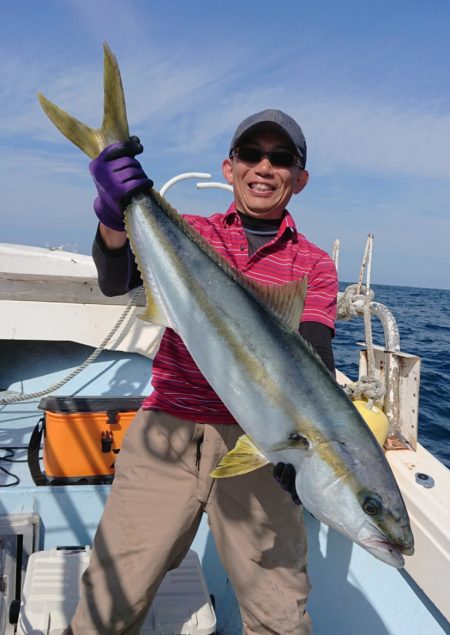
pixel 298 440
pixel 371 505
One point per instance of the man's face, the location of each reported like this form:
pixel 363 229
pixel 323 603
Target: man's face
pixel 261 189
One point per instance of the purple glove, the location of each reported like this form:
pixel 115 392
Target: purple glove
pixel 284 474
pixel 117 176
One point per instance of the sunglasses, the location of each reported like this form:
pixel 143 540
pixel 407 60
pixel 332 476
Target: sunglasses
pixel 277 158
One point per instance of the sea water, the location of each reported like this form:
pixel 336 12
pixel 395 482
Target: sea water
pixel 423 319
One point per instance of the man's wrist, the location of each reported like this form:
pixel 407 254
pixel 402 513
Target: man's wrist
pixel 111 238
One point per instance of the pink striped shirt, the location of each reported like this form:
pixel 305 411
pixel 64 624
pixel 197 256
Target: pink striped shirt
pixel 179 387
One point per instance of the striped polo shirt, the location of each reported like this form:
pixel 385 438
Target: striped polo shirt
pixel 179 387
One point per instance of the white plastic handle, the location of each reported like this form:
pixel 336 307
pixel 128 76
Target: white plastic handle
pixel 182 177
pixel 219 186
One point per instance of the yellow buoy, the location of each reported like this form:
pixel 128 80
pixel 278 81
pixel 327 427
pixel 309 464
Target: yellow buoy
pixel 375 419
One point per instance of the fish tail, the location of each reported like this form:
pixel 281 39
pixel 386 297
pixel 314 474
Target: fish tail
pixel 114 127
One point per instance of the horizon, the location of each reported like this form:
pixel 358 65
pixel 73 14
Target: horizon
pixel 369 86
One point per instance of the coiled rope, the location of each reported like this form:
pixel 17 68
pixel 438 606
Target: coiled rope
pixel 137 293
pixel 354 301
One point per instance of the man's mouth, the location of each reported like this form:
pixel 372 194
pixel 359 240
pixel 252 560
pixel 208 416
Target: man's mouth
pixel 261 187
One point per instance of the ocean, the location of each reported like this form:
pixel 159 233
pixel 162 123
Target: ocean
pixel 423 319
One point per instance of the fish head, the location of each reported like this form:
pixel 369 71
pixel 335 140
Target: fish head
pixel 354 491
pixel 386 532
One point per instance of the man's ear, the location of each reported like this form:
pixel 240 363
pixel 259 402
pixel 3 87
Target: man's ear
pixel 301 181
pixel 227 171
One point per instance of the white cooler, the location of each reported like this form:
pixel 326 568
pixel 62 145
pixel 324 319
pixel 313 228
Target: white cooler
pixel 51 591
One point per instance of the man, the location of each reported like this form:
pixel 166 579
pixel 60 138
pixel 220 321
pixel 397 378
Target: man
pixel 162 484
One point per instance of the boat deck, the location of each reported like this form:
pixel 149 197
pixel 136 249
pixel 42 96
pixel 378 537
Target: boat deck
pixel 351 591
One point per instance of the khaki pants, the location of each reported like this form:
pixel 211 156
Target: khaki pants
pixel 161 489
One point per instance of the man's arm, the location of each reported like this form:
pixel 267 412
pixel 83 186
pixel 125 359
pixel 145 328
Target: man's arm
pixel 320 337
pixel 117 176
pixel 116 268
pixel 111 238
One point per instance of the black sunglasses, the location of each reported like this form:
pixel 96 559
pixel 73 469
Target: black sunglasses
pixel 278 158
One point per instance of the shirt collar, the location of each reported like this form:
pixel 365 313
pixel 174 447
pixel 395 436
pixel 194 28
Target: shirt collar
pixel 287 229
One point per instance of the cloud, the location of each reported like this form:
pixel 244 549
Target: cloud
pixel 177 102
pixel 383 138
pixel 378 157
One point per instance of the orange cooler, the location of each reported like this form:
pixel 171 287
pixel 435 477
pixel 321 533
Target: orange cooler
pixel 81 438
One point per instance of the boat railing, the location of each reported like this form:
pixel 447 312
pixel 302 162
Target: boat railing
pixel 396 373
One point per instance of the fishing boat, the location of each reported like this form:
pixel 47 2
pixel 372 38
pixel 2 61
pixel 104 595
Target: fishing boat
pixel 59 336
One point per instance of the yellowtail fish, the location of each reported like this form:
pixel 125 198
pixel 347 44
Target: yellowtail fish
pixel 244 338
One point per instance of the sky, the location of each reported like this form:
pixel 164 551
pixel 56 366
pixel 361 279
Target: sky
pixel 368 82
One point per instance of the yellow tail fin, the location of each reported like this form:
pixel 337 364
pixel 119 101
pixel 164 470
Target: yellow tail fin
pixel 114 127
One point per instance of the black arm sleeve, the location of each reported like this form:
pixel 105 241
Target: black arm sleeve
pixel 319 336
pixel 116 268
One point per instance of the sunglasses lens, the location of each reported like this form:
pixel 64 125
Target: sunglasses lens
pixel 281 159
pixel 249 155
pixel 278 158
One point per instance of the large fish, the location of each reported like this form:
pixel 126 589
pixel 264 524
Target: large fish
pixel 244 338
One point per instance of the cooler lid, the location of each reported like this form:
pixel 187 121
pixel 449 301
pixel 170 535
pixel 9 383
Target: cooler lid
pixel 63 403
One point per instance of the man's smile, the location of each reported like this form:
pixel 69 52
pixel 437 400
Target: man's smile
pixel 261 187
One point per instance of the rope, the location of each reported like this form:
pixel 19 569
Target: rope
pixel 368 388
pixel 335 253
pixel 355 300
pixel 369 339
pixel 92 357
pixel 351 301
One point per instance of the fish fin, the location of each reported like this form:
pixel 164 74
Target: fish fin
pixel 245 457
pixel 114 128
pixel 286 300
pixel 153 312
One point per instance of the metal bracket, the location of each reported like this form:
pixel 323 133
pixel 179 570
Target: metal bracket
pixel 400 373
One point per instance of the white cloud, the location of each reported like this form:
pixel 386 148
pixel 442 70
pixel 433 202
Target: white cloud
pixel 191 104
pixel 383 138
pixel 185 102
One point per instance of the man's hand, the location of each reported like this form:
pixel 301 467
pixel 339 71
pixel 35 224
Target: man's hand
pixel 284 474
pixel 117 176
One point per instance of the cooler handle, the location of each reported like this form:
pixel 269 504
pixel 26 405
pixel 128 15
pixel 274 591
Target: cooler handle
pixel 34 447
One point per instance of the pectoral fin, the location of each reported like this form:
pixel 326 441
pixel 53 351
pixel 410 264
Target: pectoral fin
pixel 245 457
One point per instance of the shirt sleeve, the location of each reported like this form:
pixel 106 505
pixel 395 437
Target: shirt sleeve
pixel 321 295
pixel 320 337
pixel 116 268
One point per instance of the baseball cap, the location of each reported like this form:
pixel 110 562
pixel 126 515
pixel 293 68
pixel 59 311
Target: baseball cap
pixel 272 119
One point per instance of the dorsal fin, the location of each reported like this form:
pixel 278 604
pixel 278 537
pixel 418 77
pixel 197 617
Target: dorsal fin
pixel 285 300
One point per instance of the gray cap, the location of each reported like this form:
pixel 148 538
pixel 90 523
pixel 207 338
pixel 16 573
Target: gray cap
pixel 271 119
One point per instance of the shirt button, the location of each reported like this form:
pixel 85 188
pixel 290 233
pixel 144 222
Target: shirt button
pixel 242 247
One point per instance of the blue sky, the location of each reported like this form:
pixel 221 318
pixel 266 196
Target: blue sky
pixel 369 83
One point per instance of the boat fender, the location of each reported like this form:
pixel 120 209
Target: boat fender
pixel 375 419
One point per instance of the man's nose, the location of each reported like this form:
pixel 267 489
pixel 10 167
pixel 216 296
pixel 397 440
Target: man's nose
pixel 265 164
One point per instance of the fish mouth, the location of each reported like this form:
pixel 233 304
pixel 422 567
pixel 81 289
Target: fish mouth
pixel 385 548
pixel 407 550
pixel 388 551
